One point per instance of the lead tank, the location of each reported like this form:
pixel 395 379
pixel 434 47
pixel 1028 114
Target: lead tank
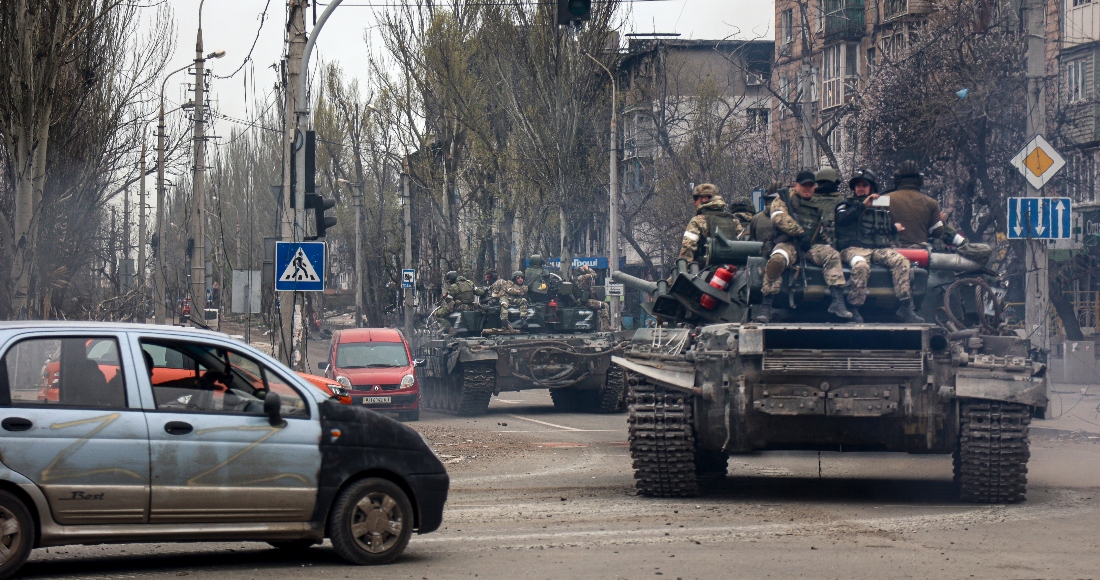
pixel 560 349
pixel 706 383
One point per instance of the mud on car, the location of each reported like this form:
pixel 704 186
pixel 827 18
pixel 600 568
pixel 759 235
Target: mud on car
pixel 162 434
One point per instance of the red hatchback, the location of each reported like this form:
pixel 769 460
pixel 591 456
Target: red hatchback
pixel 376 367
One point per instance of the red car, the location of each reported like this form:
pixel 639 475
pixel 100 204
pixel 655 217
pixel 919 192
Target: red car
pixel 376 366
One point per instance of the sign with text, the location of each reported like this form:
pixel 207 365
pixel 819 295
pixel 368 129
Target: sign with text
pixel 408 278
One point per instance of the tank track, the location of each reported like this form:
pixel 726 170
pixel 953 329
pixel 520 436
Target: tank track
pixel 662 440
pixel 478 382
pixel 991 458
pixel 611 395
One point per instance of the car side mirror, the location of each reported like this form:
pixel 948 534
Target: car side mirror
pixel 418 362
pixel 273 405
pixel 322 366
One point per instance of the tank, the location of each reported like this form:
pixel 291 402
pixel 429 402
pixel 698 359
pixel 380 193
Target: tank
pixel 561 349
pixel 707 383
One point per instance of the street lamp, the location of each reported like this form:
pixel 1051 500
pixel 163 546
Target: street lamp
pixel 613 186
pixel 358 249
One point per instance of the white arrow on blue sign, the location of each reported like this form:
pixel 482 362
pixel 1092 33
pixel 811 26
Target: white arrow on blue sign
pixel 1039 218
pixel 300 266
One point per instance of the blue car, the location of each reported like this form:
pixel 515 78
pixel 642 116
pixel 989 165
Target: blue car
pixel 139 433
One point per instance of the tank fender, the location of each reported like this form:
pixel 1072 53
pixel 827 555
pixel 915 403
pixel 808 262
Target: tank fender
pixel 669 378
pixel 1021 388
pixel 467 355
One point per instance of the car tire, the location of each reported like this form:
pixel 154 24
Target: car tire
pixel 16 533
pixel 371 522
pixel 294 545
pixel 410 416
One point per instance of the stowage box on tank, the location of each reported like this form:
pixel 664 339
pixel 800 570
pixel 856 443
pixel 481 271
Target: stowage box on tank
pixel 711 385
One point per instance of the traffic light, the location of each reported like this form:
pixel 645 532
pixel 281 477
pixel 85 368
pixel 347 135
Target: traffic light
pixel 310 152
pixel 319 204
pixel 570 11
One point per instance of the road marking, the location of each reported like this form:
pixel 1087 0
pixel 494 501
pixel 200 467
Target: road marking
pixel 562 427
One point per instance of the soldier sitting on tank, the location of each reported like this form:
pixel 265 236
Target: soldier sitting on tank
pixel 803 223
pixel 711 217
pixel 511 293
pixel 761 228
pixel 458 296
pixel 865 234
pixel 925 225
pixel 538 280
pixel 742 210
pixel 584 282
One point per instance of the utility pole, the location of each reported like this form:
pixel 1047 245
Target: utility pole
pixel 613 210
pixel 289 227
pixel 358 248
pixel 198 200
pixel 1037 306
pixel 406 207
pixel 143 305
pixel 161 296
pixel 806 73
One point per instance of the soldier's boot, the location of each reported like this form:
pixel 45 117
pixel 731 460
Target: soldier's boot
pixel 837 307
pixel 907 314
pixel 856 316
pixel 764 311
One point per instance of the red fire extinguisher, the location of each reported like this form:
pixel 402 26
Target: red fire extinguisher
pixel 721 281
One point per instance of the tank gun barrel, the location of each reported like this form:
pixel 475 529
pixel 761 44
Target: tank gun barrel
pixel 635 283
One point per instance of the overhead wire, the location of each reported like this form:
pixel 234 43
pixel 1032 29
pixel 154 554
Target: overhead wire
pixel 263 20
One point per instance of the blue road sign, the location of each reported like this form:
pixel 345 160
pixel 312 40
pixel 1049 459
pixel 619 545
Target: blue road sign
pixel 300 266
pixel 1039 218
pixel 408 278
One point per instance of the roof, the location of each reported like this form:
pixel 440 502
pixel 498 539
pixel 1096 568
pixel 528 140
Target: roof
pixel 84 326
pixel 370 335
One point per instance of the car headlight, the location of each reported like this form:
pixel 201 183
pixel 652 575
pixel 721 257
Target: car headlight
pixel 337 390
pixel 407 381
pixel 344 381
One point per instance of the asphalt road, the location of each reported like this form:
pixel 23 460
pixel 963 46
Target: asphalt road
pixel 537 494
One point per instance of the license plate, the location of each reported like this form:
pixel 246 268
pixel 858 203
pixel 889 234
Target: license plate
pixel 376 400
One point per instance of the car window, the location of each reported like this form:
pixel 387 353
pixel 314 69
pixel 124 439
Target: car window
pixel 360 355
pixel 67 372
pixel 200 378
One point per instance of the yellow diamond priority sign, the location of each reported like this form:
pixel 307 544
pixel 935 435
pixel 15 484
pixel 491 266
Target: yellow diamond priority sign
pixel 1038 162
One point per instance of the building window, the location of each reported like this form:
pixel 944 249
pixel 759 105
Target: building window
pixel 1075 81
pixel 820 15
pixel 786 26
pixel 832 75
pixel 757 120
pixel 1077 3
pixel 1080 177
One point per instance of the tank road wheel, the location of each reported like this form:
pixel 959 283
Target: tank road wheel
pixel 16 534
pixel 993 451
pixel 611 395
pixel 478 382
pixel 371 522
pixel 662 440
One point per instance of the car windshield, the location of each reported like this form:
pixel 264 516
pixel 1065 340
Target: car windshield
pixel 363 355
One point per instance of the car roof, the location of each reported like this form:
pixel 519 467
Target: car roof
pixel 370 335
pixel 79 325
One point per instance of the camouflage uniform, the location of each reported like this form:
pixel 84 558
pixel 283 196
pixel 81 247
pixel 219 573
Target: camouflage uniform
pixel 510 294
pixel 458 297
pixel 858 258
pixel 821 254
pixel 864 237
pixel 584 284
pixel 698 229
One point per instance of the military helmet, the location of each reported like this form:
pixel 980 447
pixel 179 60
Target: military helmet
pixel 516 274
pixel 827 174
pixel 536 260
pixel 452 276
pixel 864 175
pixel 908 172
pixel 705 189
pixel 741 204
pixel 491 274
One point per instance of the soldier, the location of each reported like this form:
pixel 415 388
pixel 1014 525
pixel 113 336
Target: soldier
pixel 761 228
pixel 538 280
pixel 864 235
pixel 586 278
pixel 458 296
pixel 742 210
pixel 490 278
pixel 919 214
pixel 512 293
pixel 803 222
pixel 710 216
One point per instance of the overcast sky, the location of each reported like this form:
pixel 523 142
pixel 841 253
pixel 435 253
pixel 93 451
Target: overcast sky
pixel 231 25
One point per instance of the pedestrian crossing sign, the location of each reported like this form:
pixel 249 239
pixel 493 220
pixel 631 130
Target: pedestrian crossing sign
pixel 300 266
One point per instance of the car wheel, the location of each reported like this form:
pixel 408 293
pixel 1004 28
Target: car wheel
pixel 16 534
pixel 371 522
pixel 294 545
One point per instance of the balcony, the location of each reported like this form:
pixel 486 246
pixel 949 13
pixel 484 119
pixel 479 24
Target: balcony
pixel 844 20
pixel 892 9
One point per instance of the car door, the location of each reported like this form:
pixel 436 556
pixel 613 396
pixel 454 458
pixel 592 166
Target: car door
pixel 70 421
pixel 215 456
